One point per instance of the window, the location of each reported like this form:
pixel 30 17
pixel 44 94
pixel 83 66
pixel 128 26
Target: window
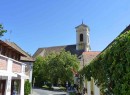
pixel 81 37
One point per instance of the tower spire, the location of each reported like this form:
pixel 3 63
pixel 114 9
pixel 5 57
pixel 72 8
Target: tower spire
pixel 82 22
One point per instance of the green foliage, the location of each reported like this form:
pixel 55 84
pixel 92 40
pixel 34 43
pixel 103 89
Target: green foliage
pixel 2 31
pixel 39 71
pixel 111 69
pixel 56 68
pixel 47 87
pixel 62 88
pixel 27 87
pixel 72 93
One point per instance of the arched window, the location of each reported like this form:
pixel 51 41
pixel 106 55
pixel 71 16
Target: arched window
pixel 81 37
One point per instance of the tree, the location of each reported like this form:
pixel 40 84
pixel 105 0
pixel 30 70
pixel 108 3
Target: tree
pixel 2 31
pixel 60 67
pixel 56 67
pixel 39 71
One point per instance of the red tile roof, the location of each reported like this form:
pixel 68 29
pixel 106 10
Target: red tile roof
pixel 88 57
pixel 92 53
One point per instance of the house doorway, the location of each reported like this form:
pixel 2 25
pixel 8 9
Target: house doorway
pixel 15 87
pixel 2 87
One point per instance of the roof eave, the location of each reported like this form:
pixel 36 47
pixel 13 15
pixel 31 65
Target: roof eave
pixel 5 44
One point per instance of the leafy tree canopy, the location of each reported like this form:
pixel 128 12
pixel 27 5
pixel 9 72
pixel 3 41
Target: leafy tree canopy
pixel 56 67
pixel 2 31
pixel 111 69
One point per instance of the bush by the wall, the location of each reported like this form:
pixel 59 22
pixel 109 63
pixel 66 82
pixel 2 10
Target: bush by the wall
pixel 111 69
pixel 27 87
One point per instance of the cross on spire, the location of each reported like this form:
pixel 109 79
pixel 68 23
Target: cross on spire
pixel 82 22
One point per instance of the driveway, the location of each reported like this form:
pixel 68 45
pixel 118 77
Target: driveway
pixel 37 91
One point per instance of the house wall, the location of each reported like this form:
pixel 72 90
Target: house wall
pixel 11 70
pixel 16 67
pixel 92 89
pixel 29 70
pixel 3 63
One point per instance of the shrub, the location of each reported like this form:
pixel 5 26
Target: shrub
pixel 27 87
pixel 47 87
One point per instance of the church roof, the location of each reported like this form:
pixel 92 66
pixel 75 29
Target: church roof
pixel 87 55
pixel 27 57
pixel 81 25
pixel 47 50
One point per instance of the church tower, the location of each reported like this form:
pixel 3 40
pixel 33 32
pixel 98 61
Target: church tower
pixel 82 37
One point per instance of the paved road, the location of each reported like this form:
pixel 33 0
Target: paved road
pixel 37 91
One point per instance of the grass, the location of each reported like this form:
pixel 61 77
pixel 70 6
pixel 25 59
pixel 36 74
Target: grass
pixel 62 88
pixel 47 87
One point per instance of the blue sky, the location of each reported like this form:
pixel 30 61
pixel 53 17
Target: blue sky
pixel 33 24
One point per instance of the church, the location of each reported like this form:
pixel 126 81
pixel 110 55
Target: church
pixel 83 51
pixel 82 46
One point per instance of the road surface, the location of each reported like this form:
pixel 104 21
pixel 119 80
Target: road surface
pixel 37 91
